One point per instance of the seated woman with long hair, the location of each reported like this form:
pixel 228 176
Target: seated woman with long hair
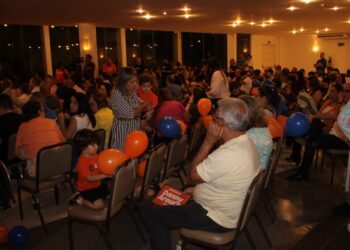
pixel 80 116
pixel 257 129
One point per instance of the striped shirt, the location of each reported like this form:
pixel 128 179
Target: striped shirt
pixel 124 121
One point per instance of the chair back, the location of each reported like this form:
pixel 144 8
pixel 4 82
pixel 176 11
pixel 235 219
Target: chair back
pixel 101 134
pixel 54 160
pixel 196 138
pixel 175 156
pixel 154 166
pixel 275 154
pixel 251 200
pixel 11 148
pixel 5 186
pixel 123 183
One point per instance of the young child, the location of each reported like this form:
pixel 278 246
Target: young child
pixel 92 191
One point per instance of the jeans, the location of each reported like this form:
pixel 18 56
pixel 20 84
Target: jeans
pixel 161 220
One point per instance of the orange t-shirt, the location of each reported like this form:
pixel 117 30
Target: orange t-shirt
pixel 148 96
pixel 87 166
pixel 110 69
pixel 36 134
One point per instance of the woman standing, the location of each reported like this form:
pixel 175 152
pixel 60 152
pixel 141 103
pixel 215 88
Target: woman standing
pixel 126 107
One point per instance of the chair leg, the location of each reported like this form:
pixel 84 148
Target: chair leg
pixel 106 239
pixel 70 234
pixel 263 230
pixel 333 167
pixel 71 186
pixel 20 203
pixel 316 160
pixel 143 222
pixel 57 201
pixel 322 161
pixel 38 209
pixel 268 206
pixel 250 239
pixel 137 224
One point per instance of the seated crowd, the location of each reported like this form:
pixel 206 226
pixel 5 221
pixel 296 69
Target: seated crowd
pixel 52 109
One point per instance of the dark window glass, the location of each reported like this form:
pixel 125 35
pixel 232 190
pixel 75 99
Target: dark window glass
pixel 65 48
pixel 107 45
pixel 21 50
pixel 243 44
pixel 150 46
pixel 198 47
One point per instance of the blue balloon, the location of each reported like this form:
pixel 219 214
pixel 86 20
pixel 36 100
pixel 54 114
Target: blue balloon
pixel 169 128
pixel 18 235
pixel 297 125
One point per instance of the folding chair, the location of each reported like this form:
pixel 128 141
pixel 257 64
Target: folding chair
pixel 195 141
pixel 52 167
pixel 5 186
pixel 229 239
pixel 122 187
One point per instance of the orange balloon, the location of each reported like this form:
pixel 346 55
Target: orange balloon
pixel 110 159
pixel 274 127
pixel 281 119
pixel 255 91
pixel 206 120
pixel 204 106
pixel 136 143
pixel 183 126
pixel 4 232
pixel 141 169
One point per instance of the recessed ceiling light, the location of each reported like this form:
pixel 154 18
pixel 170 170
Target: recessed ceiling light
pixel 238 21
pixel 164 13
pixel 52 26
pixel 307 1
pixel 301 29
pixel 294 31
pixel 234 25
pixel 348 21
pixel 271 21
pixel 263 25
pixel 292 8
pixel 317 31
pixel 186 9
pixel 326 29
pixel 147 16
pixel 252 23
pixel 76 26
pixel 140 10
pixel 5 25
pixel 335 8
pixel 187 16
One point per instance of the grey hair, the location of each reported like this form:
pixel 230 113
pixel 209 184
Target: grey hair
pixel 235 113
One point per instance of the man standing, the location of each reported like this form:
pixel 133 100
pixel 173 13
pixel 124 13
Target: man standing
pixel 221 179
pixel 89 68
pixel 321 63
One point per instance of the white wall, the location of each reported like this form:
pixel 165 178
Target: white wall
pixel 297 50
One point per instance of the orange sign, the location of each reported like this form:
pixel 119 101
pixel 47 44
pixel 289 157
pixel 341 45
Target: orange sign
pixel 171 196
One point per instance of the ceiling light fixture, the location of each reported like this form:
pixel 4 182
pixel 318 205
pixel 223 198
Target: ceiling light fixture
pixel 317 31
pixel 187 16
pixel 348 21
pixel 335 8
pixel 164 13
pixel 263 25
pixel 140 10
pixel 5 25
pixel 301 29
pixel 252 23
pixel 294 31
pixel 271 21
pixel 186 9
pixel 52 26
pixel 326 29
pixel 307 1
pixel 147 16
pixel 292 8
pixel 238 21
pixel 234 25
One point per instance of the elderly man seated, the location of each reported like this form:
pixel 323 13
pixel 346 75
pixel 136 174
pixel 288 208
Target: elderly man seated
pixel 221 179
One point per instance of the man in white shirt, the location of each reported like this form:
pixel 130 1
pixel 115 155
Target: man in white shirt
pixel 221 179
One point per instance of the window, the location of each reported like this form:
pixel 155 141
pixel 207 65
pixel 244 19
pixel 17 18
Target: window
pixel 198 47
pixel 21 51
pixel 243 44
pixel 108 45
pixel 65 48
pixel 150 46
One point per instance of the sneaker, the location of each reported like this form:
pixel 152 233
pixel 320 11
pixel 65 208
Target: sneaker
pixel 73 200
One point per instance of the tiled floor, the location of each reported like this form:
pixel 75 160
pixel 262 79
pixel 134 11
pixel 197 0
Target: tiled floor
pixel 303 209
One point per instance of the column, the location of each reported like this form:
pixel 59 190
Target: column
pixel 47 50
pixel 122 37
pixel 178 46
pixel 88 42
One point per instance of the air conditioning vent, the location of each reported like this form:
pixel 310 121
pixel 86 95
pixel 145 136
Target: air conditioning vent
pixel 333 35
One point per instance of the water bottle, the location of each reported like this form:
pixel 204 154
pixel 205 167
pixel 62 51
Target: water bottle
pixel 179 245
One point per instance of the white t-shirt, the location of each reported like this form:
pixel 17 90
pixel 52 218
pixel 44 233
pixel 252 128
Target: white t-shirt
pixel 247 85
pixel 219 85
pixel 228 173
pixel 82 122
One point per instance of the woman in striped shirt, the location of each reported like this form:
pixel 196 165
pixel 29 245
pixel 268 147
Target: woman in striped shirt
pixel 126 107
